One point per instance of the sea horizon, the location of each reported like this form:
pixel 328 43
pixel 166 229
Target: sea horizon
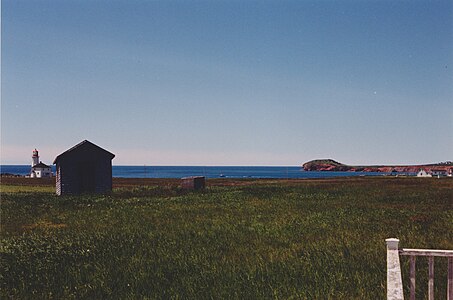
pixel 156 171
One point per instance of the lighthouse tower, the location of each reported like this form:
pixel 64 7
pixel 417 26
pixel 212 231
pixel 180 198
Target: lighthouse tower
pixel 35 158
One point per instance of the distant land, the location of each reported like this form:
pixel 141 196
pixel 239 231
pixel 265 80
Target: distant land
pixel 332 165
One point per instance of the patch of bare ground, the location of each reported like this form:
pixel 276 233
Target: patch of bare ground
pixel 28 181
pixel 395 182
pixel 43 225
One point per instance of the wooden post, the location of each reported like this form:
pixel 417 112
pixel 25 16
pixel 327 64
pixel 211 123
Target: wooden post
pixel 450 279
pixel 431 278
pixel 394 280
pixel 412 277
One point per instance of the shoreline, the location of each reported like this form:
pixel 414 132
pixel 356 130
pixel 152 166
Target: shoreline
pixel 120 182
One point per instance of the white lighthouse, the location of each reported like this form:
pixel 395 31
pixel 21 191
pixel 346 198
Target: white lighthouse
pixel 35 158
pixel 38 169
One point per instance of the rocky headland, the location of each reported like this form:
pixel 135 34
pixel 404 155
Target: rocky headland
pixel 332 165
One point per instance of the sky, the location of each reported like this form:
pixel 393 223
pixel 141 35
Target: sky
pixel 228 82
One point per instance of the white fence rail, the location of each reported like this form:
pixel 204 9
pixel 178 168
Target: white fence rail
pixel 394 279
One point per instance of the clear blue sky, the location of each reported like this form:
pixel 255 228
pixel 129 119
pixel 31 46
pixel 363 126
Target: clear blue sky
pixel 229 82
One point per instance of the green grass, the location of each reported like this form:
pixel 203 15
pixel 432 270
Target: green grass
pixel 320 239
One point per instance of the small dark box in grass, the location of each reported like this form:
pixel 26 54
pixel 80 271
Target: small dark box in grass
pixel 193 183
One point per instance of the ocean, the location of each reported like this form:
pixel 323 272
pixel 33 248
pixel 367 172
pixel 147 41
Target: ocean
pixel 208 172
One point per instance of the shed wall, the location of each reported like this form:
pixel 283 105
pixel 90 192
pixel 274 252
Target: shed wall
pixel 84 172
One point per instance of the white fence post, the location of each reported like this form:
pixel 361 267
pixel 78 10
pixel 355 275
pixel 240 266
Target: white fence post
pixel 450 279
pixel 394 280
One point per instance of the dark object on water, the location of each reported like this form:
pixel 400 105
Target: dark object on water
pixel 193 183
pixel 85 168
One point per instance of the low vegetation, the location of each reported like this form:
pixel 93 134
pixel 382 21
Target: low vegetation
pixel 302 239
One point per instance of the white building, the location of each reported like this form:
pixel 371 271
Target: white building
pixel 38 169
pixel 438 172
pixel 423 173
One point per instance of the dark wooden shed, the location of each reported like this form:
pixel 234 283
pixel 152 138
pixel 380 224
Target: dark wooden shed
pixel 85 168
pixel 193 183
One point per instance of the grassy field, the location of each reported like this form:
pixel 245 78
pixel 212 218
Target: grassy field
pixel 239 239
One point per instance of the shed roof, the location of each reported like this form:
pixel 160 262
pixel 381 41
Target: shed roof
pixel 81 145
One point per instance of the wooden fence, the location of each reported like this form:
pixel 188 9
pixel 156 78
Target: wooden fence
pixel 394 280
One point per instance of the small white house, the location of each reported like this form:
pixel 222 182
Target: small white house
pixel 38 169
pixel 423 173
pixel 439 172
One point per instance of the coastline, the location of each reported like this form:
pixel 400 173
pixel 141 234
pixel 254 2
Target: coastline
pixel 258 172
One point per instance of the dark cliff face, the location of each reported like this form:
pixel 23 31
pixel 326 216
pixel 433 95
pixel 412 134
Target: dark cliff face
pixel 331 165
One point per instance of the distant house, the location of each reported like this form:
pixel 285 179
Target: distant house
pixel 84 168
pixel 423 173
pixel 438 172
pixel 38 169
